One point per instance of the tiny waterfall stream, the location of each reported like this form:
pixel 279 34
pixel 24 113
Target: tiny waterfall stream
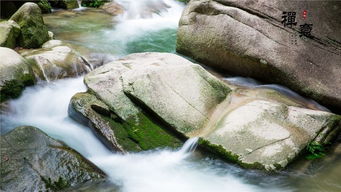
pixel 45 106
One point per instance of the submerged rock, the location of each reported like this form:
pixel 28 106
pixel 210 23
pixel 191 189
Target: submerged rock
pixel 15 74
pixel 247 38
pixel 33 30
pixel 257 128
pixel 56 60
pixel 33 161
pixel 9 32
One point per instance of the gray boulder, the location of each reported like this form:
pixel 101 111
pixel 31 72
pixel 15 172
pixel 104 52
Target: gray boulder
pixel 254 127
pixel 9 32
pixel 56 60
pixel 33 161
pixel 247 38
pixel 15 74
pixel 33 30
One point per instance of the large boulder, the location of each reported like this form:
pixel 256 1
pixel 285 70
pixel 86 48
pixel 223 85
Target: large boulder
pixel 33 161
pixel 15 74
pixel 9 32
pixel 255 127
pixel 33 30
pixel 56 60
pixel 247 38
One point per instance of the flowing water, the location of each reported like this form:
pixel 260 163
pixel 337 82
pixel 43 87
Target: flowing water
pixel 183 170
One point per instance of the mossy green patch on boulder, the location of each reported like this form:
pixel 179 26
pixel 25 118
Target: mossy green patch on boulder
pixel 142 132
pixel 9 32
pixel 33 30
pixel 131 99
pixel 15 74
pixel 71 4
pixel 13 88
pixel 44 6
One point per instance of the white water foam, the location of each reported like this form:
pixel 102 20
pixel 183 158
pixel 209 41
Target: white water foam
pixel 134 23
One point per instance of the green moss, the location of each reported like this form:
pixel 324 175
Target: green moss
pixel 141 133
pixel 13 88
pixel 93 3
pixel 45 6
pixel 184 1
pixel 315 151
pixel 60 184
pixel 220 152
pixel 33 30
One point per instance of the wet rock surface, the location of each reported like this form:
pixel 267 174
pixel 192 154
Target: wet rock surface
pixel 9 32
pixel 56 60
pixel 248 39
pixel 33 30
pixel 15 74
pixel 256 128
pixel 33 161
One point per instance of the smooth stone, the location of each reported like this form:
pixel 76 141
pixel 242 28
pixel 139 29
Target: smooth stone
pixel 33 161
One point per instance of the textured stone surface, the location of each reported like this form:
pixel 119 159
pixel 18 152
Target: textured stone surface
pixel 56 60
pixel 33 30
pixel 269 135
pixel 112 8
pixel 254 127
pixel 247 38
pixel 32 161
pixel 9 31
pixel 15 74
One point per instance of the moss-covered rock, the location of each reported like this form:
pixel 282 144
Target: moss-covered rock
pixel 9 32
pixel 44 6
pixel 254 127
pixel 33 161
pixel 141 132
pixel 33 30
pixel 15 74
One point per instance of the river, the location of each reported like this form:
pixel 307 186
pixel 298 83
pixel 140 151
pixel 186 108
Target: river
pixel 45 106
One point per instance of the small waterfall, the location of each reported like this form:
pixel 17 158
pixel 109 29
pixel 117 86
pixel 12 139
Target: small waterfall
pixel 190 145
pixel 43 72
pixel 79 3
pixel 80 8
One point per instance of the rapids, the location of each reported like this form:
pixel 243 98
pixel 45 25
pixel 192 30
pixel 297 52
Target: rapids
pixel 184 170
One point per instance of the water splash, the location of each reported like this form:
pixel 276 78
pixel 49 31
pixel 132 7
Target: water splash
pixel 46 78
pixel 80 7
pixel 190 145
pixel 143 17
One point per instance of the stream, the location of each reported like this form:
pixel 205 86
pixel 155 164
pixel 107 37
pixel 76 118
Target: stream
pixel 92 30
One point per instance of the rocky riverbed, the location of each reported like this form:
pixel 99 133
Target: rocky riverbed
pixel 92 101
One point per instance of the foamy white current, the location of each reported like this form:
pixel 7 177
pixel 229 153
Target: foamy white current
pixel 45 106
